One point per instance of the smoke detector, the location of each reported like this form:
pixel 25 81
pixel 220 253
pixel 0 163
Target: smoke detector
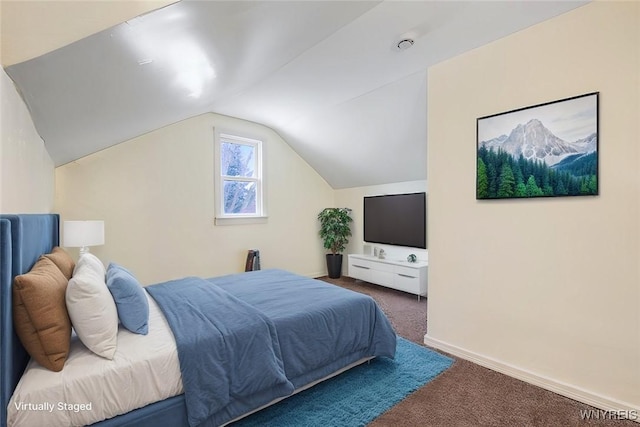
pixel 405 44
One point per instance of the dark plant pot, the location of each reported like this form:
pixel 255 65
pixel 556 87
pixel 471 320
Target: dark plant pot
pixel 334 265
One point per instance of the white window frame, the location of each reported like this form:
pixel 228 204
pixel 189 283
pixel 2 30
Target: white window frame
pixel 223 218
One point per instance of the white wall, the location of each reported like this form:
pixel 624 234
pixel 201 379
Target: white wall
pixel 353 198
pixel 26 172
pixel 156 195
pixel 546 288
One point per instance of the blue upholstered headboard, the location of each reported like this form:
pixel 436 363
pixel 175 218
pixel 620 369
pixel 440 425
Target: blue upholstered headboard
pixel 23 238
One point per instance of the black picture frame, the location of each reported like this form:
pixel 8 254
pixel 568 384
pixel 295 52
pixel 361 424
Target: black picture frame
pixel 544 150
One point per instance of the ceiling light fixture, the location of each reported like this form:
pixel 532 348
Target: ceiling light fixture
pixel 405 44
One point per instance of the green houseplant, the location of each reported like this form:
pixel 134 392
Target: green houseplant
pixel 335 229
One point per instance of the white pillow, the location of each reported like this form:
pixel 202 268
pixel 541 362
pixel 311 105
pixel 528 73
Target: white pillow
pixel 91 307
pixel 91 261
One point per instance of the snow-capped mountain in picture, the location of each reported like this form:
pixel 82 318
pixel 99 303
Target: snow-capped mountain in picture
pixel 534 141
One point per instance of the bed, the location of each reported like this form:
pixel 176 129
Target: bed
pixel 24 238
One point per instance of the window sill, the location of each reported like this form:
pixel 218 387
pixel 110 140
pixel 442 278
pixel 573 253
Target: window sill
pixel 241 220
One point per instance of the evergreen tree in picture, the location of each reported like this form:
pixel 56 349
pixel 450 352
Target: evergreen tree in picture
pixel 483 180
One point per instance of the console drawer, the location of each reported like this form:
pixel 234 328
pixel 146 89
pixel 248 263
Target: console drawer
pixel 407 271
pixel 407 283
pixel 360 270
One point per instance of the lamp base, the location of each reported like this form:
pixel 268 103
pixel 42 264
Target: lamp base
pixel 84 250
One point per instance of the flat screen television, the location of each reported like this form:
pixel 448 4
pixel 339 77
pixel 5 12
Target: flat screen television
pixel 396 219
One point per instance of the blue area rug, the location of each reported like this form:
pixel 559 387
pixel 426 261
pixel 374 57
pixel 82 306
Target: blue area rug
pixel 358 396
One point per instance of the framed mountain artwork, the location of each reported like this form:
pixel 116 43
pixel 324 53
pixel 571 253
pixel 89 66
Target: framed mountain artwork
pixel 546 150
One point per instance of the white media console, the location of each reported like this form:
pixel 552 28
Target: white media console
pixel 397 274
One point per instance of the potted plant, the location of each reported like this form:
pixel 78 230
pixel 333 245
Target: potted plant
pixel 335 230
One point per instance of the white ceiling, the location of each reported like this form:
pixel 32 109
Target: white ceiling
pixel 325 75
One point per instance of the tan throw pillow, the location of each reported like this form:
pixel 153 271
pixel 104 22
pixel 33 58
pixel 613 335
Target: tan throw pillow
pixel 61 258
pixel 40 314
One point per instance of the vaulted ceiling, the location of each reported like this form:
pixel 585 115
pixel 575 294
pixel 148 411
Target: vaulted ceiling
pixel 326 75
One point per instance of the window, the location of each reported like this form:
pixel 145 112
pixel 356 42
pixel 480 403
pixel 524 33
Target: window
pixel 240 183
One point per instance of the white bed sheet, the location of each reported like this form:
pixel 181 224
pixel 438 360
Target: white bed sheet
pixel 145 369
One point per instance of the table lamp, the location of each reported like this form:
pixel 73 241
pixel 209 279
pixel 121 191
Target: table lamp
pixel 82 234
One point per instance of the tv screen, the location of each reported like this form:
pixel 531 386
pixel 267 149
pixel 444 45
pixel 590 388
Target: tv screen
pixel 396 219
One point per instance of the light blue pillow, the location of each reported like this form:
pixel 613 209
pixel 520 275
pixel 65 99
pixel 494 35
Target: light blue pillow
pixel 130 298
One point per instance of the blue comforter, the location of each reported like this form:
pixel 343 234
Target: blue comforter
pixel 246 339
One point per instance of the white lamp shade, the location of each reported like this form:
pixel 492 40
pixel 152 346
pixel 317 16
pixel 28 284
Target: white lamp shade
pixel 78 234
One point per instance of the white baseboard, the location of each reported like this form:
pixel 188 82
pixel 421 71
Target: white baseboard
pixel 315 275
pixel 559 387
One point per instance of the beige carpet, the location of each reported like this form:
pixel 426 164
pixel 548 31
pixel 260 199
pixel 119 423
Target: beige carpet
pixel 467 394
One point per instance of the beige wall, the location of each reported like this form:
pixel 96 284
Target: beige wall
pixel 550 287
pixel 353 198
pixel 33 28
pixel 26 171
pixel 156 195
